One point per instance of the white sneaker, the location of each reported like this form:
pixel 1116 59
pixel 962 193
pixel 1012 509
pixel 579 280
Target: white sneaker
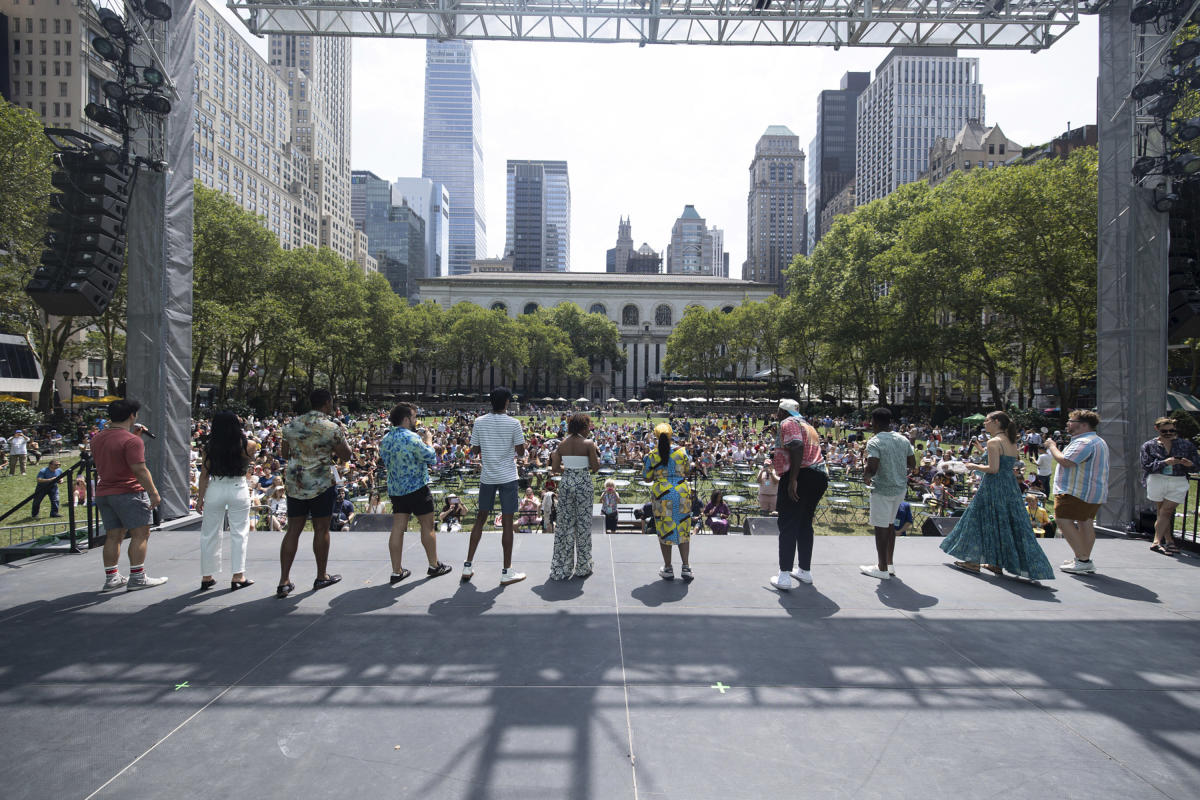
pixel 802 575
pixel 1077 567
pixel 510 575
pixel 782 581
pixel 143 581
pixel 443 528
pixel 874 572
pixel 467 572
pixel 115 581
pixel 892 569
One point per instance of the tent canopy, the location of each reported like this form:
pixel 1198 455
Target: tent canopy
pixel 974 419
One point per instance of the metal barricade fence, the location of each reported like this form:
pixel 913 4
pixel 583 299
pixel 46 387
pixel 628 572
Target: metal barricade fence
pixel 92 532
pixel 1187 516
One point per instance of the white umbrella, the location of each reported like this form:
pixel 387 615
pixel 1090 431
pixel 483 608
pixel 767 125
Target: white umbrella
pixel 581 400
pixel 560 399
pixel 612 400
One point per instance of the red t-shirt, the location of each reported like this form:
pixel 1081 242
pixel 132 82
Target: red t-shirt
pixel 114 450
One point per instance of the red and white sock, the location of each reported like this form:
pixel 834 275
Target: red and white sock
pixel 110 571
pixel 136 569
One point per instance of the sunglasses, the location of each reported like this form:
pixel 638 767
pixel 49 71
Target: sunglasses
pixel 1167 431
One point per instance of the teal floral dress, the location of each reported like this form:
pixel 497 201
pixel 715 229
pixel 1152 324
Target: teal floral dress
pixel 995 529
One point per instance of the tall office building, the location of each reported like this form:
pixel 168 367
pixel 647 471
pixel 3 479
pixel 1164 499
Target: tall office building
pixel 831 154
pixel 452 145
pixel 538 218
pixel 316 70
pixel 918 95
pixel 395 233
pixel 775 209
pixel 432 201
pixel 720 259
pixel 616 259
pixel 690 251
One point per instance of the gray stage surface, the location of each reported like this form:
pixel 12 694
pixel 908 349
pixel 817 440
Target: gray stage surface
pixel 935 685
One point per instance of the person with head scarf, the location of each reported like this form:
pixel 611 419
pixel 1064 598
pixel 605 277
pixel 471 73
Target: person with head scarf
pixel 667 467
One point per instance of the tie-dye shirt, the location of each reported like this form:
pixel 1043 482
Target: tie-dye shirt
pixel 407 459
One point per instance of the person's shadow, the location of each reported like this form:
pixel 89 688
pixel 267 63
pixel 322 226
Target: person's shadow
pixel 894 593
pixel 658 592
pixel 370 598
pixel 1115 587
pixel 555 591
pixel 468 600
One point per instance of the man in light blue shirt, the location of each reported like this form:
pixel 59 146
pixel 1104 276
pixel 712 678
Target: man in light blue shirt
pixel 889 461
pixel 408 457
pixel 1080 487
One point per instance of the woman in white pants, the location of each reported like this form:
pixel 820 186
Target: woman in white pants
pixel 223 490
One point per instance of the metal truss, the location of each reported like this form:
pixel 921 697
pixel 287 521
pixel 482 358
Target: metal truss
pixel 969 24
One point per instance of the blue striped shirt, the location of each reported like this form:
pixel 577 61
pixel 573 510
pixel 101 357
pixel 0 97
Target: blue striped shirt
pixel 1088 479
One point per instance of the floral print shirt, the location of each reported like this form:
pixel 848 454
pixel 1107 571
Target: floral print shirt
pixel 311 439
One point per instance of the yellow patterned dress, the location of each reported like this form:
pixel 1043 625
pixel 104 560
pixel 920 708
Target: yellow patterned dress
pixel 671 495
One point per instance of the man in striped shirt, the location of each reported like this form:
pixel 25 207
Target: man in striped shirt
pixel 1080 487
pixel 500 441
pixel 802 481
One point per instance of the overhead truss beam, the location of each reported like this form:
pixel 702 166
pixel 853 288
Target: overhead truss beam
pixel 968 24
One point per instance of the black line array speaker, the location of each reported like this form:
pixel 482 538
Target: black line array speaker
pixel 938 526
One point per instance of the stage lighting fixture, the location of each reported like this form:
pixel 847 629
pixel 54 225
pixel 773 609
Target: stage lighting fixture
pixel 1165 202
pixel 103 115
pixel 1149 88
pixel 1163 105
pixel 107 154
pixel 115 90
pixel 1187 131
pixel 155 104
pixel 107 49
pixel 1186 165
pixel 1145 11
pixel 1183 52
pixel 112 22
pixel 153 77
pixel 156 9
pixel 1144 166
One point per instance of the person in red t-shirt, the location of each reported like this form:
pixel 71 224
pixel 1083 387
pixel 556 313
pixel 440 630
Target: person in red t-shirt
pixel 802 482
pixel 125 495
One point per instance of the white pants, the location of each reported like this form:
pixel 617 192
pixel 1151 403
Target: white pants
pixel 224 494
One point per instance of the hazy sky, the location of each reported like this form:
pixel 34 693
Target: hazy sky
pixel 646 131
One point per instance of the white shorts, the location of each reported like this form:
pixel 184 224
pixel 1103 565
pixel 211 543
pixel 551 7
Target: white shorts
pixel 884 508
pixel 1172 488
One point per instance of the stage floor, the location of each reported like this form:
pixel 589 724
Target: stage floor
pixel 937 684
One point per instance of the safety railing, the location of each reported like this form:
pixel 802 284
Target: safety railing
pixel 73 535
pixel 1187 516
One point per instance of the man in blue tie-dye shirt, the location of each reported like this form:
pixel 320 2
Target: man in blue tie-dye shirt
pixel 407 457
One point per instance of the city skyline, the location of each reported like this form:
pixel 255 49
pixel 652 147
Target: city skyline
pixel 643 148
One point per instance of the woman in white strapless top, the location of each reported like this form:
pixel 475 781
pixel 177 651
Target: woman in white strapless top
pixel 576 458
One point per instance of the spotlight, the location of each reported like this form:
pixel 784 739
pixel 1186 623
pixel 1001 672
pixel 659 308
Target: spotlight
pixel 111 22
pixel 115 90
pixel 1165 202
pixel 1186 164
pixel 103 115
pixel 1145 11
pixel 1163 105
pixel 1183 52
pixel 106 49
pixel 153 77
pixel 156 9
pixel 108 155
pixel 155 103
pixel 1187 131
pixel 1149 88
pixel 1144 166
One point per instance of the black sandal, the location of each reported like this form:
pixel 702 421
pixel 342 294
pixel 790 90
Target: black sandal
pixel 284 589
pixel 396 578
pixel 440 569
pixel 242 584
pixel 329 580
pixel 206 585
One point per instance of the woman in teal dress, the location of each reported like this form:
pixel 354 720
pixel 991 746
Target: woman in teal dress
pixel 668 468
pixel 995 531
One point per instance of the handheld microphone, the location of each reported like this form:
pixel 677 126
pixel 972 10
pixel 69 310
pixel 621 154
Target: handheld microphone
pixel 143 429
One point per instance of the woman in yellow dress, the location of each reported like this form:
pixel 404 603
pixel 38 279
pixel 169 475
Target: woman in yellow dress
pixel 668 468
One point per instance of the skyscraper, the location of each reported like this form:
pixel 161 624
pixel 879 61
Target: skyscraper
pixel 918 95
pixel 775 210
pixel 617 258
pixel 538 218
pixel 452 145
pixel 316 70
pixel 432 201
pixel 691 249
pixel 395 233
pixel 831 154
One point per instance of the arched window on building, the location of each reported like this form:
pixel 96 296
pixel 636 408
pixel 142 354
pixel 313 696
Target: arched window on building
pixel 629 315
pixel 662 315
pixel 530 308
pixel 727 310
pixel 498 306
pixel 598 308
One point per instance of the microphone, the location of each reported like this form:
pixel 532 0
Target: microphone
pixel 143 429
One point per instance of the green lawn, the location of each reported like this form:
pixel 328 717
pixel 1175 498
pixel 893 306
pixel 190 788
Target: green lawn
pixel 15 488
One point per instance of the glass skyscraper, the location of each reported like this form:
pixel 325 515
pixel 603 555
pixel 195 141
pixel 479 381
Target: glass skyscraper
pixel 395 233
pixel 452 146
pixel 831 154
pixel 918 95
pixel 538 219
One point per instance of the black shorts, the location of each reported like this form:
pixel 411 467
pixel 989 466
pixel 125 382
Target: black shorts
pixel 418 503
pixel 319 506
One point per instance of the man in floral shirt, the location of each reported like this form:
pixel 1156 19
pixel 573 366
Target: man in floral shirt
pixel 311 442
pixel 408 456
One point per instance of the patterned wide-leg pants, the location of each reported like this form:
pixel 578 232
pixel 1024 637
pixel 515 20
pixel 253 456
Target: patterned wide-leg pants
pixel 573 531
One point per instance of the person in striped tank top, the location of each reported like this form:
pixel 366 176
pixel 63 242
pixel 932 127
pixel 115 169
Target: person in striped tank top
pixel 1080 487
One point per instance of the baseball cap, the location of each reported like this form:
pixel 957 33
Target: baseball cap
pixel 790 406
